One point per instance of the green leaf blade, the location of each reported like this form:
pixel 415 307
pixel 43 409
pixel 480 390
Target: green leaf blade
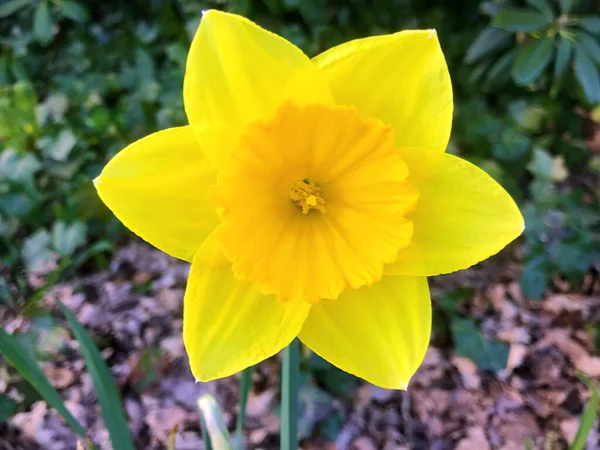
pixel 589 45
pixel 489 40
pixel 588 418
pixel 564 54
pixel 108 397
pixel 590 24
pixel 211 418
pixel 43 24
pixel 74 11
pixel 565 5
pixel 245 385
pixel 532 60
pixel 18 357
pixel 12 7
pixel 470 343
pixel 521 20
pixel 587 76
pixel 8 407
pixel 544 7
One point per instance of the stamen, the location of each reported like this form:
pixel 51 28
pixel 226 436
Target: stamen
pixel 306 195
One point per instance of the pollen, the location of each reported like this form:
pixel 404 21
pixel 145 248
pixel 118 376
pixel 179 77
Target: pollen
pixel 307 196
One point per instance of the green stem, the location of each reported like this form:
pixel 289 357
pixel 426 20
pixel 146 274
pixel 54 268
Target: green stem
pixel 245 385
pixel 289 396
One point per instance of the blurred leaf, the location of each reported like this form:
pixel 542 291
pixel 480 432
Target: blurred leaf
pixel 106 391
pixel 544 7
pixel 590 23
pixel 513 145
pixel 491 8
pixel 572 256
pixel 535 276
pixel 341 384
pixel 589 45
pixel 565 5
pixel 42 23
pixel 588 418
pixel 241 7
pixel 587 76
pixel 563 57
pixel 17 167
pixel 499 73
pixel 531 60
pixel 74 10
pixel 520 19
pixel 12 6
pixel 212 416
pixel 546 167
pixel 36 252
pixel 8 408
pixel 489 40
pixel 19 358
pixel 62 146
pixel 470 343
pixel 529 117
pixel 66 238
pixel 314 405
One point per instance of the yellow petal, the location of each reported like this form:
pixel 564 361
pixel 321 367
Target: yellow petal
pixel 402 79
pixel 158 187
pixel 377 333
pixel 237 73
pixel 463 216
pixel 228 325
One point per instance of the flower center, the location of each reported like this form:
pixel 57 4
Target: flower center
pixel 296 238
pixel 306 195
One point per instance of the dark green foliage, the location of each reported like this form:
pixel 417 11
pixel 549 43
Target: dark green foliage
pixel 81 80
pixel 543 33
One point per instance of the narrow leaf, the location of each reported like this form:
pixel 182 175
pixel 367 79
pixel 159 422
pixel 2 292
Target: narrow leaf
pixel 11 7
pixel 563 57
pixel 489 40
pixel 520 19
pixel 590 23
pixel 205 436
pixel 587 76
pixel 213 420
pixel 245 385
pixel 531 61
pixel 42 23
pixel 290 372
pixel 544 7
pixel 587 418
pixel 18 357
pixel 108 397
pixel 589 45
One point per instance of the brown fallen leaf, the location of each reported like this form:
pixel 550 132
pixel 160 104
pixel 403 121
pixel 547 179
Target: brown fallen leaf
pixel 363 443
pixel 516 355
pixel 569 428
pixel 560 338
pixel 60 377
pixel 468 371
pixel 475 440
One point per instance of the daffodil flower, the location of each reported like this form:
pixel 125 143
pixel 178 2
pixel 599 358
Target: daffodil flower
pixel 312 197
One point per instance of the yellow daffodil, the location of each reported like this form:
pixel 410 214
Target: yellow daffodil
pixel 312 197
